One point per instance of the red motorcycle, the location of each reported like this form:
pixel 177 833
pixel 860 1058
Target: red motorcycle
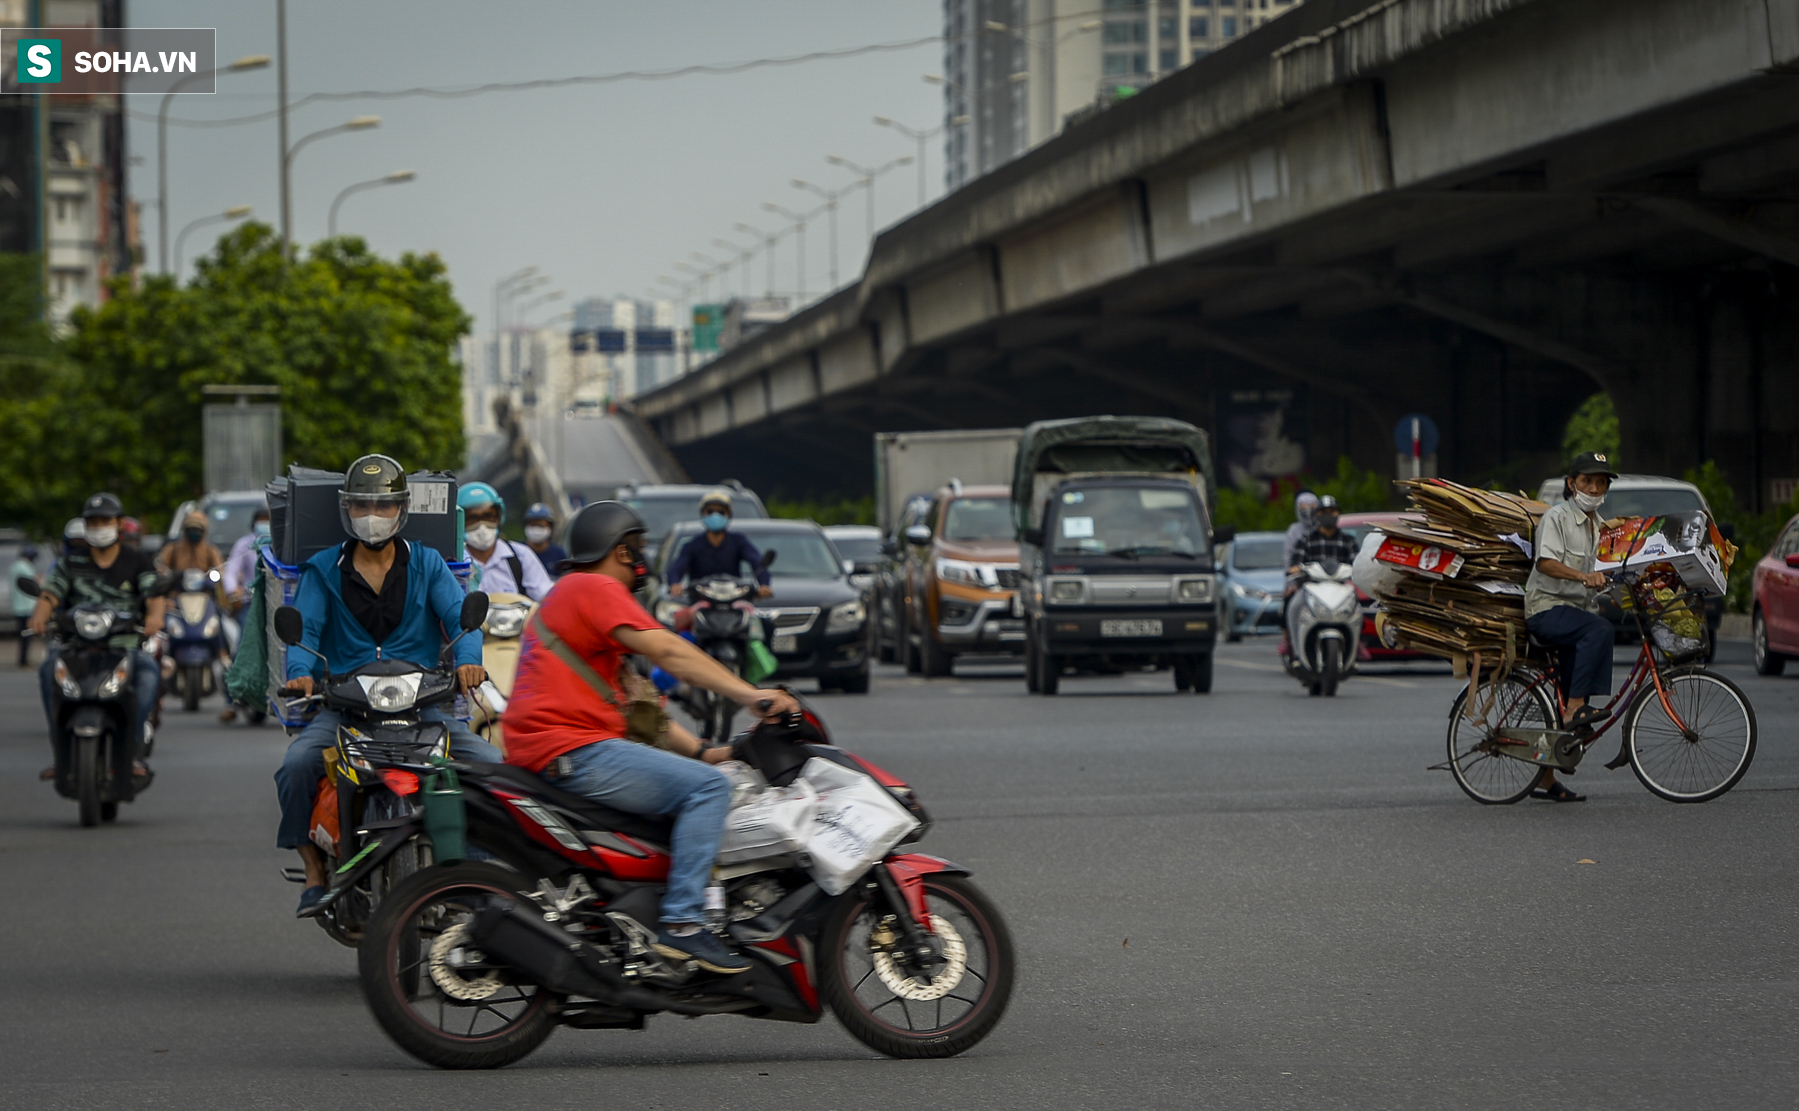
pixel 473 964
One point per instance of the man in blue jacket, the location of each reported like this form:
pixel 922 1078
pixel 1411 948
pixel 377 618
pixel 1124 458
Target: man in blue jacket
pixel 374 597
pixel 718 551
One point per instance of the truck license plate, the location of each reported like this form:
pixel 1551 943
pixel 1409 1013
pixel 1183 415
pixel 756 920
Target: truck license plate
pixel 1130 628
pixel 784 644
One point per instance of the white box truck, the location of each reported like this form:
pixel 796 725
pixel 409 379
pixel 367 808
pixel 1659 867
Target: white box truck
pixel 913 463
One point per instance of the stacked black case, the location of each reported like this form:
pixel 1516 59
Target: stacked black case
pixel 304 520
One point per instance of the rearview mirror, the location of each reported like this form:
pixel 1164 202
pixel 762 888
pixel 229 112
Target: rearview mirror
pixel 474 611
pixel 918 534
pixel 1793 560
pixel 768 559
pixel 289 626
pixel 27 586
pixel 1032 536
pixel 849 566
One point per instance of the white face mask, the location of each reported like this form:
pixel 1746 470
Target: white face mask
pixel 102 537
pixel 537 534
pixel 375 529
pixel 482 537
pixel 1587 502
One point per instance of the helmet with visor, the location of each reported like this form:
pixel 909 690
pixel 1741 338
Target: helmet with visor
pixel 375 500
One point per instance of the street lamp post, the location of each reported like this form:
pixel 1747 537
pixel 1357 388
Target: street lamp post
pixel 398 177
pixel 743 262
pixel 868 180
pixel 829 196
pixel 919 137
pixel 242 65
pixel 359 123
pixel 768 248
pixel 236 212
pixel 800 220
pixel 702 277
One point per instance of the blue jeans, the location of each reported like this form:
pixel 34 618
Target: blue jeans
pixel 146 681
pixel 639 779
pixel 297 779
pixel 1588 636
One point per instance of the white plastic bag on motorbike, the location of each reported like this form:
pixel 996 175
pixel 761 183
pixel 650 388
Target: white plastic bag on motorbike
pixel 1374 577
pixel 855 824
pixel 771 823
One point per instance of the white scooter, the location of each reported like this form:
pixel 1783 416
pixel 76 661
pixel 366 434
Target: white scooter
pixel 1324 618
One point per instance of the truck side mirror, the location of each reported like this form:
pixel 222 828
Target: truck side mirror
pixel 474 611
pixel 918 534
pixel 1032 536
pixel 289 626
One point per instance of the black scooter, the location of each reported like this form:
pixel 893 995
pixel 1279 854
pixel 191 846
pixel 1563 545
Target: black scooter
pixel 724 623
pixel 94 707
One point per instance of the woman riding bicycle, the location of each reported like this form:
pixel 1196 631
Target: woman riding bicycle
pixel 1560 598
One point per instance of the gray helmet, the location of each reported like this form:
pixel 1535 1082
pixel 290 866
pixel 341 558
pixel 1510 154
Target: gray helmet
pixel 596 529
pixel 374 481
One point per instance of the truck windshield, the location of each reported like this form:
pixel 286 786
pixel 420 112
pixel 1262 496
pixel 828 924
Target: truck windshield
pixel 978 519
pixel 1129 521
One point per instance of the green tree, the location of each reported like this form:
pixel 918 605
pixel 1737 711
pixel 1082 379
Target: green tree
pixel 1248 509
pixel 34 377
pixel 359 345
pixel 1593 427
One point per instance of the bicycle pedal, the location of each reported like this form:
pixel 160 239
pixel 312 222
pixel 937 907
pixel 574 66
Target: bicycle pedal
pixel 294 875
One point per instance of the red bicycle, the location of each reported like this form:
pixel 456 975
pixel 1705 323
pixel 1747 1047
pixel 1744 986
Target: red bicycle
pixel 1688 733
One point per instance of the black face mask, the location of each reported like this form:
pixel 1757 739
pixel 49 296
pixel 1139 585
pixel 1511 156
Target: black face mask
pixel 193 535
pixel 639 569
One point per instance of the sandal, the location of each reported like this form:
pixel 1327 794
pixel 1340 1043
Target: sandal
pixel 1586 716
pixel 1558 792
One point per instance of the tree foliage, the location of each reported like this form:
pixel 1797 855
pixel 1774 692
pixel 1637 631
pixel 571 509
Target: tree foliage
pixel 1593 427
pixel 359 345
pixel 1249 509
pixel 1754 533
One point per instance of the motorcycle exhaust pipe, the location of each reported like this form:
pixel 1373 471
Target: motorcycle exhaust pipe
pixel 516 935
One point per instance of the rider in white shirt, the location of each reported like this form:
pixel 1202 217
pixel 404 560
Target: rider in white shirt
pixel 505 567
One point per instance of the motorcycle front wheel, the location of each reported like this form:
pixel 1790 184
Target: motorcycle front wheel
pixel 1329 666
pixel 422 993
pixel 940 1013
pixel 88 770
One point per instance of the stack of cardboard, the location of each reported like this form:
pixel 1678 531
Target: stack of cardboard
pixel 1459 589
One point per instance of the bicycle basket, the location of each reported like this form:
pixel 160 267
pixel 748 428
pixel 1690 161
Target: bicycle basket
pixel 1675 620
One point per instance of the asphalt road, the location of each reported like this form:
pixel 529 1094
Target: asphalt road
pixel 1246 899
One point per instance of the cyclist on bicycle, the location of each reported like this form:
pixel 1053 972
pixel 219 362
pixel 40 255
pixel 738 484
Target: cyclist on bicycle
pixel 1561 596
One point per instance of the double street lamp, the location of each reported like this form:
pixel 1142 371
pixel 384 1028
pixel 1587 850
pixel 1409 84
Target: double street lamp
pixel 359 123
pixel 236 212
pixel 868 175
pixel 800 220
pixel 242 65
pixel 398 177
pixel 768 248
pixel 830 197
pixel 919 137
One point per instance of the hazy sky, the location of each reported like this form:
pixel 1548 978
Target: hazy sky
pixel 603 187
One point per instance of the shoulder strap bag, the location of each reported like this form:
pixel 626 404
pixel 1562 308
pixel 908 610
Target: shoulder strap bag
pixel 646 722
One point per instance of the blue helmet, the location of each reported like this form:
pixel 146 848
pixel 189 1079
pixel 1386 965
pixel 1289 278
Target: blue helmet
pixel 539 512
pixel 479 495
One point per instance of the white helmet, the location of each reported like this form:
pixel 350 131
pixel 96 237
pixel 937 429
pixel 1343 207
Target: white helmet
pixel 718 495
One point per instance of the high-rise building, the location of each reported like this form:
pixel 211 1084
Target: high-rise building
pixel 62 163
pixel 1015 70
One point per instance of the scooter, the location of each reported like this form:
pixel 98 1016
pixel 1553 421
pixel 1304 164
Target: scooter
pixel 501 634
pixel 94 708
pixel 381 704
pixel 1324 618
pixel 724 623
pixel 196 632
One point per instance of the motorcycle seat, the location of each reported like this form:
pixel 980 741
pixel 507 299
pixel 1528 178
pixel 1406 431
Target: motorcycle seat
pixel 657 829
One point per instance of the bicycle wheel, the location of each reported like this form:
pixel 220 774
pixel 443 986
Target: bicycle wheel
pixel 1705 759
pixel 1480 771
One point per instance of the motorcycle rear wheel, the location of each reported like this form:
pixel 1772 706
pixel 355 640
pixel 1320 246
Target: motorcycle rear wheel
pixel 190 689
pixel 431 1024
pixel 855 978
pixel 87 779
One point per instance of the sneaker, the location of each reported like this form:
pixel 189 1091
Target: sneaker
pixel 309 898
pixel 228 714
pixel 703 948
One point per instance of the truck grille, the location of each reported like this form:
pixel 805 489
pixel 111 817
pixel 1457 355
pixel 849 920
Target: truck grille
pixel 1008 577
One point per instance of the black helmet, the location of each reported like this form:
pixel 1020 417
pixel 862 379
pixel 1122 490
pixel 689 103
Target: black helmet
pixel 374 482
pixel 596 529
pixel 101 505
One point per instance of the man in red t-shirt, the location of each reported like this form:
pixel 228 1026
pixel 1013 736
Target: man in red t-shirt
pixel 559 726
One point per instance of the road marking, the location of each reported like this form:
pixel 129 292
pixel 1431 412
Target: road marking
pixel 1389 682
pixel 1250 666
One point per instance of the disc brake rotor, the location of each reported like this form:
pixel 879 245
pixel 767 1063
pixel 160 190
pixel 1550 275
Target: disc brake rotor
pixel 906 986
pixel 447 951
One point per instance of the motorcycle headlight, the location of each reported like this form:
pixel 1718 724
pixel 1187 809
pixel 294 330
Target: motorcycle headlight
pixel 960 571
pixel 1195 590
pixel 66 682
pixel 93 625
pixel 505 622
pixel 116 681
pixel 391 693
pixel 211 628
pixel 845 616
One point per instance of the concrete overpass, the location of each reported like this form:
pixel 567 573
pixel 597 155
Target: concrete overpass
pixel 1483 210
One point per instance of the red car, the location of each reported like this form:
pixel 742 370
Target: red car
pixel 1371 648
pixel 1775 612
